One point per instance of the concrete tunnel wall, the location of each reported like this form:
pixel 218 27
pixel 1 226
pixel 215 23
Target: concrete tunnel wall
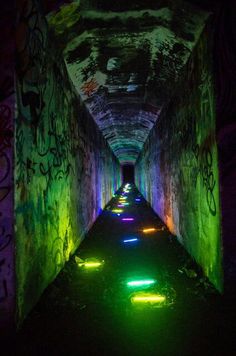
pixel 177 171
pixel 65 173
pixel 59 151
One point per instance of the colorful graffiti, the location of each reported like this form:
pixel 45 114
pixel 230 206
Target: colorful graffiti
pixel 179 175
pixel 89 87
pixel 62 181
pixel 125 67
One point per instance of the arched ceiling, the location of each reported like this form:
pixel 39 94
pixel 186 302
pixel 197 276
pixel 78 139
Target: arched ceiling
pixel 124 62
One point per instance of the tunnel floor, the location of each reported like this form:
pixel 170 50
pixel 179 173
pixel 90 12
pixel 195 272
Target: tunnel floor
pixel 92 311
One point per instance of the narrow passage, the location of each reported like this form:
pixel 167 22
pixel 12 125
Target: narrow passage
pixel 131 289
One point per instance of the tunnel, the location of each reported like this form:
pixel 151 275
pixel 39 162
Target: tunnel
pixel 117 137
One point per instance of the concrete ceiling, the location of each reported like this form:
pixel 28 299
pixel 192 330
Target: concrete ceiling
pixel 125 61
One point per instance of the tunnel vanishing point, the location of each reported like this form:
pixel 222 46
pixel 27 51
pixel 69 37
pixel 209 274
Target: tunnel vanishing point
pixel 88 87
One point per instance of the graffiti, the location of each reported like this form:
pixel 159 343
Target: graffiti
pixel 33 108
pixel 182 151
pixel 90 69
pixel 89 87
pixel 98 105
pixel 202 164
pixel 58 147
pixel 205 159
pixel 56 153
pixel 31 46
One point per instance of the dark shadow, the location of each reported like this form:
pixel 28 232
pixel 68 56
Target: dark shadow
pixel 128 173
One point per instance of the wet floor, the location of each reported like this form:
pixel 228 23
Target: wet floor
pixel 99 306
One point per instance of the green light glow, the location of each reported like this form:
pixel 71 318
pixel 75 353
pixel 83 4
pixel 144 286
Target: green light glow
pixel 89 263
pixel 92 264
pixel 139 283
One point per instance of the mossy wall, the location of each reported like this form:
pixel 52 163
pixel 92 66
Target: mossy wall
pixel 64 171
pixel 177 171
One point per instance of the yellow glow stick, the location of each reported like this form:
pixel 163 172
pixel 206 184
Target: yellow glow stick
pixel 92 264
pixel 151 229
pixel 117 211
pixel 148 298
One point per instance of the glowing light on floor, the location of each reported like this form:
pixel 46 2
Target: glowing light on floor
pixel 126 190
pixel 128 219
pixel 92 264
pixel 120 205
pixel 137 199
pixel 89 263
pixel 150 298
pixel 141 283
pixel 130 240
pixel 117 211
pixel 149 230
